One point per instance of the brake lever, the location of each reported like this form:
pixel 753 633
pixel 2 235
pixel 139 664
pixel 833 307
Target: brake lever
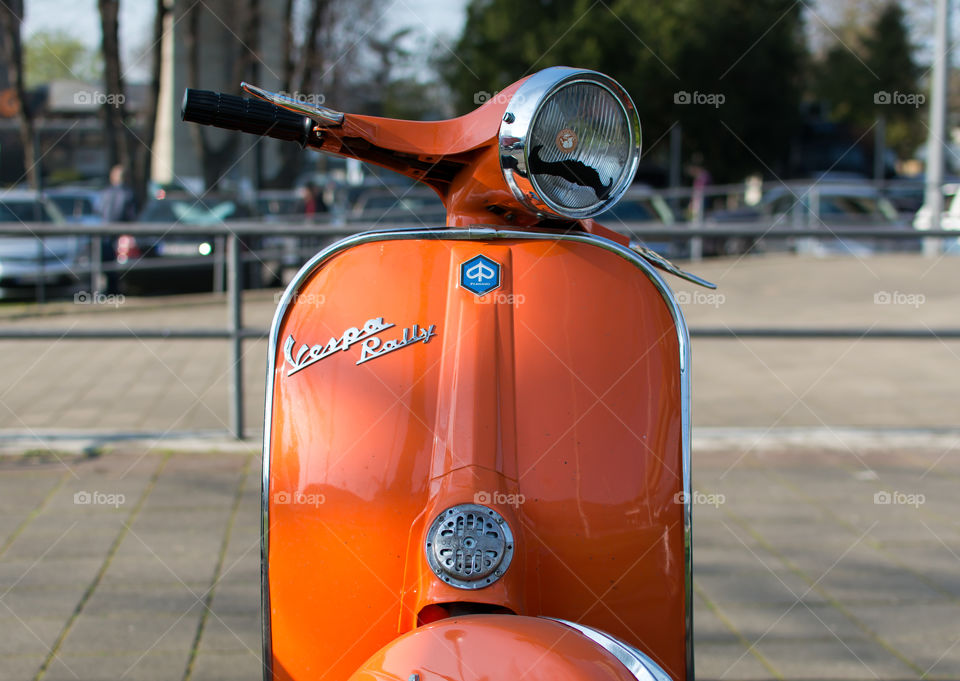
pixel 321 115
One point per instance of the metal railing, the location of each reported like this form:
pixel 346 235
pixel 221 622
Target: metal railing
pixel 232 258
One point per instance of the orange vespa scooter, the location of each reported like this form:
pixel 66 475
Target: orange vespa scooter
pixel 476 459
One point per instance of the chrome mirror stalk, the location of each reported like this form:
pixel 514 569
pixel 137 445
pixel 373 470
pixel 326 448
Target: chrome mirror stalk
pixel 662 263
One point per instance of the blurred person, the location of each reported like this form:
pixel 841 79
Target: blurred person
pixel 312 201
pixel 117 204
pixel 701 180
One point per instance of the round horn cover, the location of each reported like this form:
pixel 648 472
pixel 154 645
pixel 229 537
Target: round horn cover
pixel 483 647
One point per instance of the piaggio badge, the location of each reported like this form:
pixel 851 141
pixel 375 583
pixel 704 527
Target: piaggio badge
pixel 480 275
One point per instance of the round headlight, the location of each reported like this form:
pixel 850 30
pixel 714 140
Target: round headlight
pixel 569 142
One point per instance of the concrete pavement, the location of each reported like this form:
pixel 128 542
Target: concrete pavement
pixel 808 565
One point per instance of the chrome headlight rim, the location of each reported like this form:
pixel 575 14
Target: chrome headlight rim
pixel 519 120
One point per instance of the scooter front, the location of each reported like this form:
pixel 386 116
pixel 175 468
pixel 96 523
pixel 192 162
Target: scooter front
pixel 476 448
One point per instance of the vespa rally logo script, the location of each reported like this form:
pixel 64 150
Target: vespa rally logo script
pixel 372 346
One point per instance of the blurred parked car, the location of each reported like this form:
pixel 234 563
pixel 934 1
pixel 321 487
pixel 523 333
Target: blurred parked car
pixel 279 205
pixel 76 204
pixel 399 206
pixel 642 207
pixel 820 208
pixel 191 256
pixel 906 196
pixel 284 254
pixel 949 219
pixel 56 261
pixel 826 206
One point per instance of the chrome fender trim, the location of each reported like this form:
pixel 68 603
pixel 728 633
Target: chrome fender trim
pixel 640 665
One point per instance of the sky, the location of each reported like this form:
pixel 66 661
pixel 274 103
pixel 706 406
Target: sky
pixel 79 18
pixel 442 19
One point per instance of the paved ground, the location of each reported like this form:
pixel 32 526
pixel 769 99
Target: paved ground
pixel 801 571
pixel 165 385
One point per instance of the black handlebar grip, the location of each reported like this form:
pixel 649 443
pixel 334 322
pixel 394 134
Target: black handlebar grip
pixel 254 116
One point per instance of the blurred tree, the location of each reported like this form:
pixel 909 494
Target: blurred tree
pixel 873 76
pixel 728 71
pixel 326 50
pixel 889 54
pixel 114 100
pixel 52 55
pixel 403 84
pixel 143 154
pixel 11 23
pixel 217 159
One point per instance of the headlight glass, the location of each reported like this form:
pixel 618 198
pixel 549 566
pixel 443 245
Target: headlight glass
pixel 579 146
pixel 569 143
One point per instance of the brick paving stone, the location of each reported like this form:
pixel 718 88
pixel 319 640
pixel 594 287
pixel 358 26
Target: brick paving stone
pixel 728 661
pixel 135 634
pixel 224 632
pixel 880 599
pixel 157 666
pixel 834 660
pixel 24 634
pixel 20 667
pixel 227 666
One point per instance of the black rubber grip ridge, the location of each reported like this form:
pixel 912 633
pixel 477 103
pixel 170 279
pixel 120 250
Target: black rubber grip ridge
pixel 254 116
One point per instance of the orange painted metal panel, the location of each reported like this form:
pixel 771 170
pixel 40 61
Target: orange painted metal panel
pixel 555 399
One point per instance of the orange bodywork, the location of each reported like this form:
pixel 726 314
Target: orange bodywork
pixel 457 158
pixel 556 399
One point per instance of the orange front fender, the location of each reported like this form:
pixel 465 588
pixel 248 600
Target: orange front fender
pixel 480 647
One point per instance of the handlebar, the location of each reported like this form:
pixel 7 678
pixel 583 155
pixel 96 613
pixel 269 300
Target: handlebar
pixel 254 116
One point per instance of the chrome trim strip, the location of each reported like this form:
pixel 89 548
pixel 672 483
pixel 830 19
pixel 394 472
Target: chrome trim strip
pixel 477 234
pixel 639 664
